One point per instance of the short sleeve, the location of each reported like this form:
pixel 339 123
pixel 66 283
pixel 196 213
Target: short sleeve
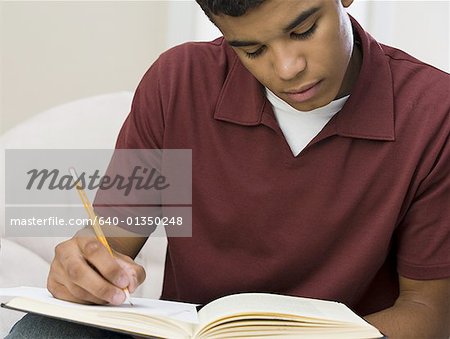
pixel 144 126
pixel 142 130
pixel 424 234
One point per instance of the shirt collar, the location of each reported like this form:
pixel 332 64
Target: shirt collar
pixel 367 114
pixel 242 99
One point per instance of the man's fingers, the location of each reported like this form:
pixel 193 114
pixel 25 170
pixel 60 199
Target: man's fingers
pixel 78 272
pixel 136 273
pixel 84 271
pixel 121 270
pixel 60 287
pixel 97 255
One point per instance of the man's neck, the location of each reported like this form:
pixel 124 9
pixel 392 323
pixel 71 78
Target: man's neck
pixel 353 69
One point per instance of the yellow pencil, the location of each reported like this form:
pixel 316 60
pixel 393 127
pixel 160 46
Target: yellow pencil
pixel 97 229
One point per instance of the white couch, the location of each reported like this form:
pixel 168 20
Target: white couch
pixel 26 261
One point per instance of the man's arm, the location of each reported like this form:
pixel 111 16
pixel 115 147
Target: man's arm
pixel 422 310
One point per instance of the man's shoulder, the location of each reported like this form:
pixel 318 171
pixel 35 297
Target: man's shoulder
pixel 420 97
pixel 216 46
pixel 405 66
pixel 190 56
pixel 419 88
pixel 191 63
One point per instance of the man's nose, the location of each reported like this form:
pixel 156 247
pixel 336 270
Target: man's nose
pixel 288 63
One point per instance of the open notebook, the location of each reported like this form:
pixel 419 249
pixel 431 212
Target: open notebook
pixel 246 315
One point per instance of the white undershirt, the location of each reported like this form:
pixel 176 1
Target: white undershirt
pixel 299 127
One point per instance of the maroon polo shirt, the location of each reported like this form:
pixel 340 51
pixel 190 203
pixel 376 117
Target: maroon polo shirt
pixel 366 200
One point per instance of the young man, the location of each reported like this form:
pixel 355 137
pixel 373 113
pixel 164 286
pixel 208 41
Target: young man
pixel 320 169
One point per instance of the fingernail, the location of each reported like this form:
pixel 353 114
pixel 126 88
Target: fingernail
pixel 118 298
pixel 133 285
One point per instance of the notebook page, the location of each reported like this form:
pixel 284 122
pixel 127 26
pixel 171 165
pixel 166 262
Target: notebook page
pixel 170 309
pixel 272 303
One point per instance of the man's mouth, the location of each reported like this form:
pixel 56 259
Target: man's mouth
pixel 304 92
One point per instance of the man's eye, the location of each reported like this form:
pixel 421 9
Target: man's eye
pixel 305 35
pixel 298 36
pixel 255 54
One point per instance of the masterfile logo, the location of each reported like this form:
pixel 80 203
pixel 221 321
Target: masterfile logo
pixel 141 190
pixel 140 178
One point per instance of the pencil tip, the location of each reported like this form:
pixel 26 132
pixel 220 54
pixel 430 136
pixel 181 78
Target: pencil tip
pixel 128 297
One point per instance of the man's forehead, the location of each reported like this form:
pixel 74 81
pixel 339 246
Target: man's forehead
pixel 270 15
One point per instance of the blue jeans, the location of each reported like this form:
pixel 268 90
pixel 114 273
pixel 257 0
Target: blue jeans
pixel 33 326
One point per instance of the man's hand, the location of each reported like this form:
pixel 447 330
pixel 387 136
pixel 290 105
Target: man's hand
pixel 83 271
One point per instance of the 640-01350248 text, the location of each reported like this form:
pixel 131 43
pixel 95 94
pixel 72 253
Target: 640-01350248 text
pixel 103 221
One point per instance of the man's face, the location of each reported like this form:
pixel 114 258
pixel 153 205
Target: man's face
pixel 299 49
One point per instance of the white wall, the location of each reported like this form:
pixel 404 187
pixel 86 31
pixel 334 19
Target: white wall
pixel 421 28
pixel 186 21
pixel 53 52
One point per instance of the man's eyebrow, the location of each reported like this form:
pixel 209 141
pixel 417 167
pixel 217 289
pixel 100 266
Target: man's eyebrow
pixel 302 17
pixel 297 21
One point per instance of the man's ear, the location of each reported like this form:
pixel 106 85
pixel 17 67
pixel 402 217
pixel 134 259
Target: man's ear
pixel 346 3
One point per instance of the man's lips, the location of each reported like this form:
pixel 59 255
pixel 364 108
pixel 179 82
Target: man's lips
pixel 303 93
pixel 302 89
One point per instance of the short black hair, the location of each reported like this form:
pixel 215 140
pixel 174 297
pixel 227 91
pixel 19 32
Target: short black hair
pixel 227 7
